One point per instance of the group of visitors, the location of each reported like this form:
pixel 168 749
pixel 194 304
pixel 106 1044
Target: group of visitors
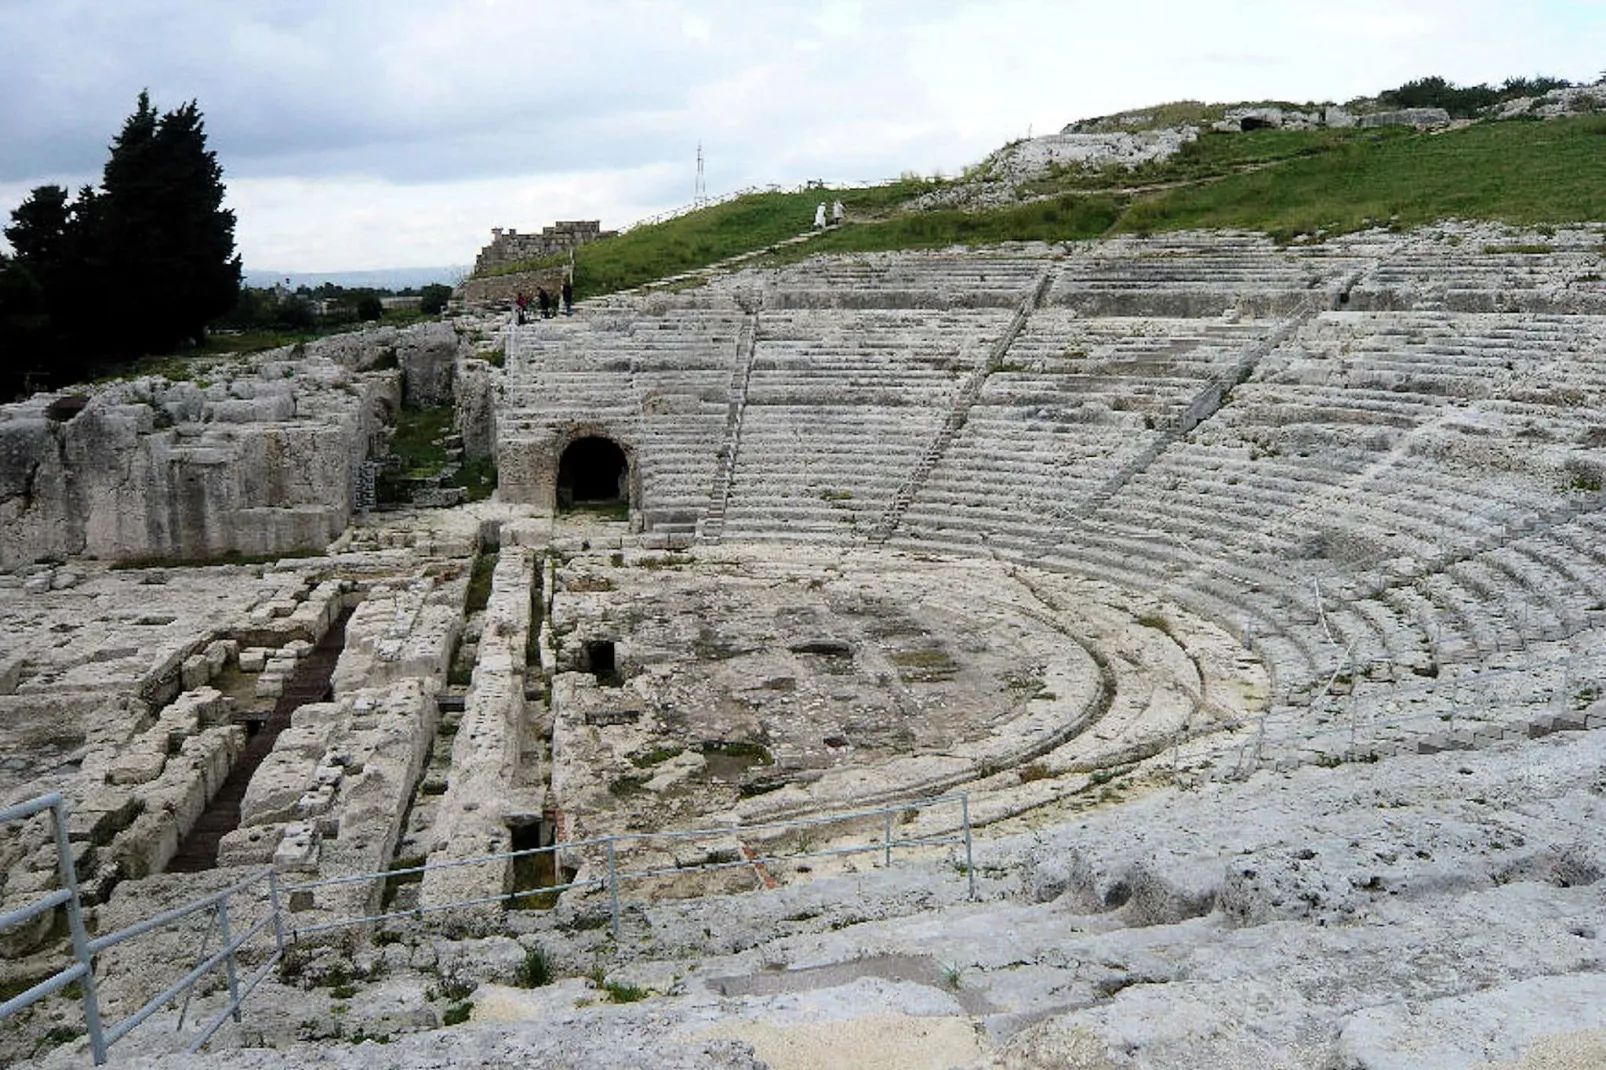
pixel 547 303
pixel 836 215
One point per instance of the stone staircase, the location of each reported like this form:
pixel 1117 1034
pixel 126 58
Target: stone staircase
pixel 1205 404
pixel 712 528
pixel 964 399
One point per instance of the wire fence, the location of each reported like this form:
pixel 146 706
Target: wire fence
pixel 748 191
pixel 260 901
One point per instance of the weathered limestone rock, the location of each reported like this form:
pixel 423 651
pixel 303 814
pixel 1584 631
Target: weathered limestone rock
pixel 427 354
pixel 491 775
pixel 1418 117
pixel 150 468
pixel 475 393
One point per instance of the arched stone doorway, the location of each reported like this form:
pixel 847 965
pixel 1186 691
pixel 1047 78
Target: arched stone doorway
pixel 593 471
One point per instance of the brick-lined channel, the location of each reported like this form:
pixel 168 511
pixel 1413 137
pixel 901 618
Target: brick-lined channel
pixel 309 683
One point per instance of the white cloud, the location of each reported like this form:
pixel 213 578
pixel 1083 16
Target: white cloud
pixel 354 137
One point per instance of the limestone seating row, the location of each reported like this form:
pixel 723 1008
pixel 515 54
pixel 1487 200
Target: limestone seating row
pixel 1219 590
pixel 933 280
pixel 1187 276
pixel 1001 472
pixel 1508 700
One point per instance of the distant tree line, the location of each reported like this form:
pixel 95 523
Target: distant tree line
pixel 1465 101
pixel 308 308
pixel 139 265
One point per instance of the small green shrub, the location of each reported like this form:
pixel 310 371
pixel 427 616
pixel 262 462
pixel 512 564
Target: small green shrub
pixel 620 992
pixel 1034 771
pixel 1155 621
pixel 536 969
pixel 457 1014
pixel 656 756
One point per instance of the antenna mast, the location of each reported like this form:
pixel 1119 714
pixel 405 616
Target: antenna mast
pixel 701 193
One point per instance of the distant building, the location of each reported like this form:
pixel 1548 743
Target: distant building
pixel 511 247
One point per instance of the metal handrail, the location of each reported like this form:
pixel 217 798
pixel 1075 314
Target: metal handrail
pixel 615 877
pixel 83 968
pixel 226 956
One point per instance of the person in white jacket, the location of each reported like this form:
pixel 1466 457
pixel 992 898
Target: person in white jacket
pixel 836 214
pixel 819 216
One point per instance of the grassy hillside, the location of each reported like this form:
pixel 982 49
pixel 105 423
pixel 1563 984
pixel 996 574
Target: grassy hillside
pixel 744 225
pixel 1527 173
pixel 1287 183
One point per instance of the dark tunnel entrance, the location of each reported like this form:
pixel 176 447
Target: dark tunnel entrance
pixel 593 471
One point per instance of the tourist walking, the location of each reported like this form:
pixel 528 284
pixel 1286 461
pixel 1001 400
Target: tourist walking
pixel 568 298
pixel 521 306
pixel 819 217
pixel 544 300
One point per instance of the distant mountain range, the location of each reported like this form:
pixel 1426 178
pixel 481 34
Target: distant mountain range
pixel 378 278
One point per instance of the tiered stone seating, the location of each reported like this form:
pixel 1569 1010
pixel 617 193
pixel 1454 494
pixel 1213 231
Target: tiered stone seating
pixel 1073 400
pixel 662 382
pixel 1535 274
pixel 906 280
pixel 1194 275
pixel 840 408
pixel 1387 493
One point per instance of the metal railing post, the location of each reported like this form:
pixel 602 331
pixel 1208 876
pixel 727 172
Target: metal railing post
pixel 80 936
pixel 970 860
pixel 613 888
pixel 228 963
pixel 886 839
pixel 273 904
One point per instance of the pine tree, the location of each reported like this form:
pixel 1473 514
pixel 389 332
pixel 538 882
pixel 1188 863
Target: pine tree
pixel 138 266
pixel 164 242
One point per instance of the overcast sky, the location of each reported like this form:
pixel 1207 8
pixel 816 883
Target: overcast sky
pixel 396 134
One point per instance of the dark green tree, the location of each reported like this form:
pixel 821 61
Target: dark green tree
pixel 51 286
pixel 140 265
pixel 24 329
pixel 432 299
pixel 165 242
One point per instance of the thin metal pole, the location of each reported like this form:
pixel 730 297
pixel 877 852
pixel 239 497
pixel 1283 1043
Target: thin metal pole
pixel 970 861
pixel 80 937
pixel 228 963
pixel 886 839
pixel 278 915
pixel 613 888
pixel 189 993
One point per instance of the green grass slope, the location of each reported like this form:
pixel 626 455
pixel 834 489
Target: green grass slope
pixel 1287 183
pixel 1525 173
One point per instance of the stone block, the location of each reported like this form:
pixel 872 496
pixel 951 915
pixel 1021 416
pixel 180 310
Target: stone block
pixel 297 851
pixel 138 765
pixel 1432 743
pixel 253 659
pixel 101 814
pixel 10 675
pixel 195 672
pixel 220 653
pixel 253 846
pixel 269 686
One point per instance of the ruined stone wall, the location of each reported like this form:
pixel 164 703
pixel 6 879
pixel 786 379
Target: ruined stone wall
pixel 157 469
pixel 256 457
pixel 498 291
pixel 511 247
